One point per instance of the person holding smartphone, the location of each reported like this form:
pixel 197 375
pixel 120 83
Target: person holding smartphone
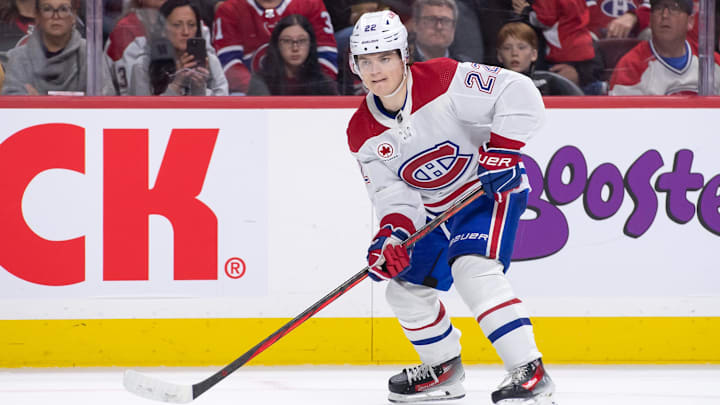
pixel 177 62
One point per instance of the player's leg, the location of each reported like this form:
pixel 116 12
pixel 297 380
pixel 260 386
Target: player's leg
pixel 414 300
pixel 480 250
pixel 426 324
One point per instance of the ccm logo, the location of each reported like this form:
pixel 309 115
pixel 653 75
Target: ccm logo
pixel 127 203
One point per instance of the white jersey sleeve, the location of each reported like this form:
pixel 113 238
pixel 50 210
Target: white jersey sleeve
pixel 509 101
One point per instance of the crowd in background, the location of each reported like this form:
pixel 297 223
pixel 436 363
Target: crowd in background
pixel 300 47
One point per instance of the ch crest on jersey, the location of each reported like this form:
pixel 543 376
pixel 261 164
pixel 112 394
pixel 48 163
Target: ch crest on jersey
pixel 435 168
pixel 616 8
pixel 256 62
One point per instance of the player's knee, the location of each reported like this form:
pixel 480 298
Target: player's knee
pixel 411 302
pixel 471 266
pixel 480 282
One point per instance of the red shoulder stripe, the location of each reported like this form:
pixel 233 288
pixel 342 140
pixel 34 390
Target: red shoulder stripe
pixel 430 80
pixel 362 127
pixel 630 68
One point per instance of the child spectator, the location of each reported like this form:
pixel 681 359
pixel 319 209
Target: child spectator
pixel 177 73
pixel 242 30
pixel 17 19
pixel 517 50
pixel 291 65
pixel 54 58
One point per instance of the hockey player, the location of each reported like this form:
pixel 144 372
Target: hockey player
pixel 242 29
pixel 424 135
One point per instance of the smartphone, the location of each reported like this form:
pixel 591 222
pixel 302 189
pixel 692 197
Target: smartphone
pixel 197 48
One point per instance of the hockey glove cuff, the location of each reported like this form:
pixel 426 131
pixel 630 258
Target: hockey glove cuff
pixel 387 258
pixel 499 168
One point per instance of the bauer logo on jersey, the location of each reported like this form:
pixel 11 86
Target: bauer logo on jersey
pixel 435 168
pixel 386 151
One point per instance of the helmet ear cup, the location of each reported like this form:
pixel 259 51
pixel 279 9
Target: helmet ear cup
pixel 353 64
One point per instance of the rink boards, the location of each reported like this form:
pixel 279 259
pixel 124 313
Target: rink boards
pixel 176 232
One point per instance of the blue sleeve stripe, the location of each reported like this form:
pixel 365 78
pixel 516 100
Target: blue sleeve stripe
pixel 329 56
pixel 428 341
pixel 227 57
pixel 507 328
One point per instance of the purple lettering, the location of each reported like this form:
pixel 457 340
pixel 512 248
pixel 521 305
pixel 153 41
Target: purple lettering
pixel 558 192
pixel 709 206
pixel 676 184
pixel 637 182
pixel 548 232
pixel 595 206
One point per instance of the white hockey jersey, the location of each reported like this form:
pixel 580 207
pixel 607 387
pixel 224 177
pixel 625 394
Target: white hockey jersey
pixel 426 156
pixel 642 71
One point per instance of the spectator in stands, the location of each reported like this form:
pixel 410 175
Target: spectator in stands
pixel 291 64
pixel 168 69
pixel 2 77
pixel 242 30
pixel 17 19
pixel 618 18
pixel 667 63
pixel 570 50
pixel 517 50
pixel 435 23
pixel 128 40
pixel 54 58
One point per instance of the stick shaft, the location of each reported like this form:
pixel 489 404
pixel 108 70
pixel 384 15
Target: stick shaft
pixel 201 387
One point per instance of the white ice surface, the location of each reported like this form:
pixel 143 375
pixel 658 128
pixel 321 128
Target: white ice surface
pixel 366 385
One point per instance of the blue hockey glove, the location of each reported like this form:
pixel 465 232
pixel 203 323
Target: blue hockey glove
pixel 499 168
pixel 387 258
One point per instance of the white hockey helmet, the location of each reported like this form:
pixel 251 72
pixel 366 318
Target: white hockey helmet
pixel 378 31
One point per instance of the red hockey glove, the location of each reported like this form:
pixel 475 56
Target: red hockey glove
pixel 499 167
pixel 386 257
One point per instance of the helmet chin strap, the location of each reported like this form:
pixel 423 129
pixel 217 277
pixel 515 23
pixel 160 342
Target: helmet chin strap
pixel 402 83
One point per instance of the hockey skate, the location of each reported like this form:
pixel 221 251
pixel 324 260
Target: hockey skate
pixel 528 384
pixel 425 383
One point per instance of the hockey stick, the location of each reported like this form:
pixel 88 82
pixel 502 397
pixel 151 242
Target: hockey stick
pixel 158 390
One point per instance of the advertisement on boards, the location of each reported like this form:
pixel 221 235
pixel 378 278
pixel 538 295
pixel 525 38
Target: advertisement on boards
pixel 165 204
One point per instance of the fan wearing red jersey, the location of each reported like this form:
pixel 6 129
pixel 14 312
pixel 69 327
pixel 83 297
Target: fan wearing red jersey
pixel 242 29
pixel 424 136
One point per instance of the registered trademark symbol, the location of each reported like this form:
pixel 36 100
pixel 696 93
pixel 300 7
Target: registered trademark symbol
pixel 235 267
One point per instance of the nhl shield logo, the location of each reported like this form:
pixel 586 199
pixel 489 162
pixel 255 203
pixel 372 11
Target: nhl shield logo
pixel 385 150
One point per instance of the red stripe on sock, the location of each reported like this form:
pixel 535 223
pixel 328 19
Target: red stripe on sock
pixel 496 307
pixel 440 316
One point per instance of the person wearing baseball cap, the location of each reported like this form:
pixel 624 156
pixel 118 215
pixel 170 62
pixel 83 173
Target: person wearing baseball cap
pixel 668 63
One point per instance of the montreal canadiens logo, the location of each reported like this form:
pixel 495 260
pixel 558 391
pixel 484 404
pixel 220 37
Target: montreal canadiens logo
pixel 258 58
pixel 385 150
pixel 615 8
pixel 436 167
